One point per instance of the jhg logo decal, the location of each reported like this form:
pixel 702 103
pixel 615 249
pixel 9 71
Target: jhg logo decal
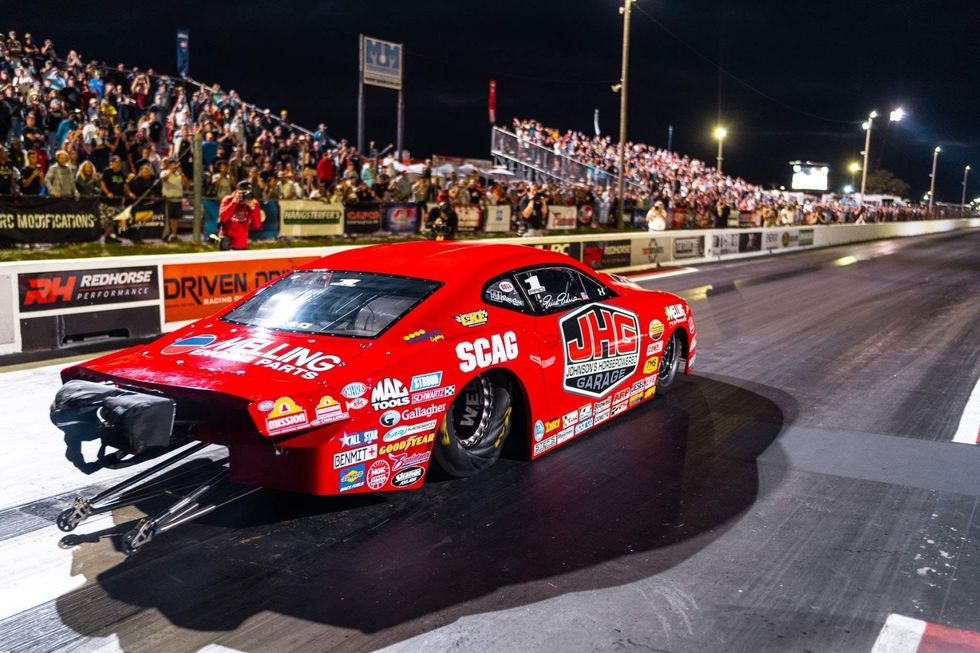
pixel 602 348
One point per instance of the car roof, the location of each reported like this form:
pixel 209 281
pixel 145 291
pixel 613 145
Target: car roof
pixel 439 260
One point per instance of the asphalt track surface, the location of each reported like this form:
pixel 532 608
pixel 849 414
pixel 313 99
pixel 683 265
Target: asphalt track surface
pixel 797 490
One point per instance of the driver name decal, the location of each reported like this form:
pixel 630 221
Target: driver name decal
pixel 601 346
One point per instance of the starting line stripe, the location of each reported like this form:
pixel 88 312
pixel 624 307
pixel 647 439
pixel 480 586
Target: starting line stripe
pixel 669 272
pixel 906 635
pixel 969 429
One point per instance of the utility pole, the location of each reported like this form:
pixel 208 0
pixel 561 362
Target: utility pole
pixel 966 171
pixel 932 177
pixel 867 147
pixel 198 172
pixel 620 210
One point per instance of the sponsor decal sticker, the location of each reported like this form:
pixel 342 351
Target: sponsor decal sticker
pixel 484 352
pixel 407 443
pixel 656 330
pixel 675 313
pixel 565 435
pixel 649 381
pixel 651 365
pixel 601 416
pixel 358 439
pixel 621 396
pixel 283 357
pixel 352 478
pixel 423 411
pixel 569 419
pixel 402 460
pixel 354 390
pixel 407 477
pixel 188 344
pixel 354 456
pixel 422 335
pixel 389 393
pixel 409 429
pixel 601 348
pixel 473 318
pixel 285 416
pixel 266 406
pixel 433 395
pixel 655 348
pixel 357 404
pixel 506 286
pixel 389 418
pixel 617 409
pixel 603 405
pixel 328 410
pixel 552 424
pixel 545 363
pixel 585 412
pixel 538 431
pixel 584 425
pixel 378 473
pixel 649 392
pixel 544 445
pixel 426 381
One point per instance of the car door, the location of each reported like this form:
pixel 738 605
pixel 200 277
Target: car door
pixel 589 347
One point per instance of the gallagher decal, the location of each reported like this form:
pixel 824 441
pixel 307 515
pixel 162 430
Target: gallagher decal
pixel 601 346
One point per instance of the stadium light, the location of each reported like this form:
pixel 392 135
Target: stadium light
pixel 966 171
pixel 932 177
pixel 720 133
pixel 896 115
pixel 853 167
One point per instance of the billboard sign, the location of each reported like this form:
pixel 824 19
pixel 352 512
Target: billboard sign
pixel 381 63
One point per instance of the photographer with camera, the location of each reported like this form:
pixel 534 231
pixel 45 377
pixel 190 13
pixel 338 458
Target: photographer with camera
pixel 239 213
pixel 442 222
pixel 534 211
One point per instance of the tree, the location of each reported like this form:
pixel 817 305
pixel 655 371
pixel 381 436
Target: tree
pixel 883 182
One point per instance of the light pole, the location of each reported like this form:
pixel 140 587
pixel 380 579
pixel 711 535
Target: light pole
pixel 620 210
pixel 932 177
pixel 720 133
pixel 866 125
pixel 966 171
pixel 853 167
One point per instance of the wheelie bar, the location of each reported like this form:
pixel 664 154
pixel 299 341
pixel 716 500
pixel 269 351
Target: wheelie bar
pixel 185 510
pixel 121 494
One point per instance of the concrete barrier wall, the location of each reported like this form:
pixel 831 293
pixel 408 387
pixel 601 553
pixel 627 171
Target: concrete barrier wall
pixel 55 305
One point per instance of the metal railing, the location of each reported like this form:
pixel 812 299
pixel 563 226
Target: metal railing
pixel 535 162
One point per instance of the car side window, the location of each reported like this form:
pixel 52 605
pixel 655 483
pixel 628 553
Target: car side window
pixel 502 292
pixel 597 291
pixel 553 289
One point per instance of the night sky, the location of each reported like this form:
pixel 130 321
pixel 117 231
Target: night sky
pixel 798 78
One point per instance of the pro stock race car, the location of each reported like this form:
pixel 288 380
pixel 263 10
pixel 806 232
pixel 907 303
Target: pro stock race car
pixel 352 373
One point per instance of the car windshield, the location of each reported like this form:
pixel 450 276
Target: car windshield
pixel 329 302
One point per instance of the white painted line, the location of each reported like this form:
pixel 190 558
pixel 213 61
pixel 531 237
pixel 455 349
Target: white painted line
pixel 969 430
pixel 661 275
pixel 899 635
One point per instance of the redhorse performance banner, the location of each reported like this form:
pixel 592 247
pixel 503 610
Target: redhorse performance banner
pixel 48 220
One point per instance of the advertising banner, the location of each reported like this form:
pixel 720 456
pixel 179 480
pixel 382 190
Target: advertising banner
pixel 42 291
pixel 401 218
pixel 498 218
pixel 606 253
pixel 724 244
pixel 147 222
pixel 561 217
pixel 651 251
pixel 688 247
pixel 469 216
pixel 48 220
pixel 568 249
pixel 195 290
pixel 806 237
pixel 362 218
pixel 310 218
pixel 750 242
pixel 381 62
pixel 789 238
pixel 270 220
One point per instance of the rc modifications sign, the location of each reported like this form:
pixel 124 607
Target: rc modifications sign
pixel 602 348
pixel 381 63
pixel 42 291
pixel 48 220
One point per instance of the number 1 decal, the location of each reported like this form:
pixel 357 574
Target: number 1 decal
pixel 533 285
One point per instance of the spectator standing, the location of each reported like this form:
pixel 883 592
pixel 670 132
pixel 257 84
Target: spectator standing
pixel 222 182
pixel 173 182
pixel 87 180
pixel 9 174
pixel 238 214
pixel 60 180
pixel 31 176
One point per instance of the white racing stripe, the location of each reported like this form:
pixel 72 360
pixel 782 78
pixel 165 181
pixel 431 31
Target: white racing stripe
pixel 899 635
pixel 969 429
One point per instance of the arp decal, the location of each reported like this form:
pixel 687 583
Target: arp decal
pixel 473 318
pixel 484 352
pixel 601 347
pixel 285 416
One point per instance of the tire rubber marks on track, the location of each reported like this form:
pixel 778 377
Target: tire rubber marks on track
pixel 969 429
pixel 906 635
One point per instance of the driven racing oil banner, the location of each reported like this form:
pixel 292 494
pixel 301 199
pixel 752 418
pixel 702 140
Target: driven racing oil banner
pixel 195 290
pixel 401 218
pixel 270 220
pixel 48 220
pixel 362 218
pixel 42 291
pixel 310 218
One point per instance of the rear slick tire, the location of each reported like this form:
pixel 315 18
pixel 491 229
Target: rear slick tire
pixel 472 433
pixel 670 361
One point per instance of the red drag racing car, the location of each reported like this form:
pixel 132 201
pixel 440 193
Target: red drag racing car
pixel 353 372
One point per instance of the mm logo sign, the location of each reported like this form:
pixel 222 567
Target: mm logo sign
pixel 381 63
pixel 602 348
